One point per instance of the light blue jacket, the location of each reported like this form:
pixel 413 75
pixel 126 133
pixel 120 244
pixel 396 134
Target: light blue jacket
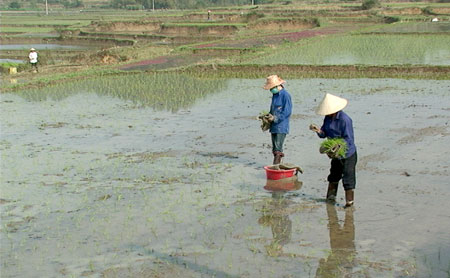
pixel 281 109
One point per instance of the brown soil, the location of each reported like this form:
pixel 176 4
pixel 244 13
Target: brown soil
pixel 406 11
pixel 282 25
pixel 275 39
pixel 198 31
pixel 214 17
pixel 441 11
pixel 101 57
pixel 221 51
pixel 160 28
pixel 127 27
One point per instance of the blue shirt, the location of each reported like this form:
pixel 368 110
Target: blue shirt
pixel 339 126
pixel 281 109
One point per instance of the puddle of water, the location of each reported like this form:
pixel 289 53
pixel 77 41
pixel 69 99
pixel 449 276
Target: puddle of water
pixel 38 47
pixel 110 184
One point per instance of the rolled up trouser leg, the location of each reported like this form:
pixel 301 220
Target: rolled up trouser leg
pixel 278 141
pixel 277 146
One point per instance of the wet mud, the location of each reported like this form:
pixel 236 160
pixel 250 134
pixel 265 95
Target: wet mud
pixel 94 185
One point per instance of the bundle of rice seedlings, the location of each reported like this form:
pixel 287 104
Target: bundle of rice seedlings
pixel 334 147
pixel 263 113
pixel 264 117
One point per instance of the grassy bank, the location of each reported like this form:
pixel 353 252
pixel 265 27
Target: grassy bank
pixel 311 71
pixel 251 72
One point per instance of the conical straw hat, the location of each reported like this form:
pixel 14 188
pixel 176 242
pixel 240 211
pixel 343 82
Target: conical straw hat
pixel 273 81
pixel 331 104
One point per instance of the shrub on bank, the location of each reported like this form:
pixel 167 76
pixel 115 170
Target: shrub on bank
pixel 369 4
pixel 4 67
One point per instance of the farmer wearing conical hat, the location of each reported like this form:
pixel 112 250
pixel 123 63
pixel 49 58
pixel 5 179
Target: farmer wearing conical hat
pixel 33 56
pixel 280 111
pixel 338 124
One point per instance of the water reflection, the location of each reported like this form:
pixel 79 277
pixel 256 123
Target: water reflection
pixel 341 260
pixel 161 91
pixel 283 185
pixel 276 215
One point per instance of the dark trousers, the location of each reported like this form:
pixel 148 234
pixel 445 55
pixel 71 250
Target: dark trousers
pixel 344 169
pixel 277 142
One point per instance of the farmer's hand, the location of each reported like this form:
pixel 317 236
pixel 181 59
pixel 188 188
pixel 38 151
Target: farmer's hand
pixel 314 128
pixel 270 118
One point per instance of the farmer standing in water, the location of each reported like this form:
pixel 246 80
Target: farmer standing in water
pixel 280 111
pixel 338 124
pixel 33 57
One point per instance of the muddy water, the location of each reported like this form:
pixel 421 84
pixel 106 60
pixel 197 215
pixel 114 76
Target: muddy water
pixel 96 186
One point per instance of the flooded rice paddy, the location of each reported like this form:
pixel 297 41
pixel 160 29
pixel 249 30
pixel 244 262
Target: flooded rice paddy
pixel 94 184
pixel 11 61
pixel 44 46
pixel 366 49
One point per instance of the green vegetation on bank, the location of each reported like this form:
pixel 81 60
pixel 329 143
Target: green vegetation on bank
pixel 215 71
pixel 5 66
pixel 9 29
pixel 39 22
pixel 310 71
pixel 130 4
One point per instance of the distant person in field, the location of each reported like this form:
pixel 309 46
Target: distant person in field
pixel 337 124
pixel 33 56
pixel 280 113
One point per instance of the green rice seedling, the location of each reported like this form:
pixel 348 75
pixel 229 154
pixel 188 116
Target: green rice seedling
pixel 364 49
pixel 263 112
pixel 26 29
pixel 165 91
pixel 412 28
pixel 335 147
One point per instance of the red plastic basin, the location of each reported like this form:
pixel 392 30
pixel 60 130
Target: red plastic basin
pixel 278 174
